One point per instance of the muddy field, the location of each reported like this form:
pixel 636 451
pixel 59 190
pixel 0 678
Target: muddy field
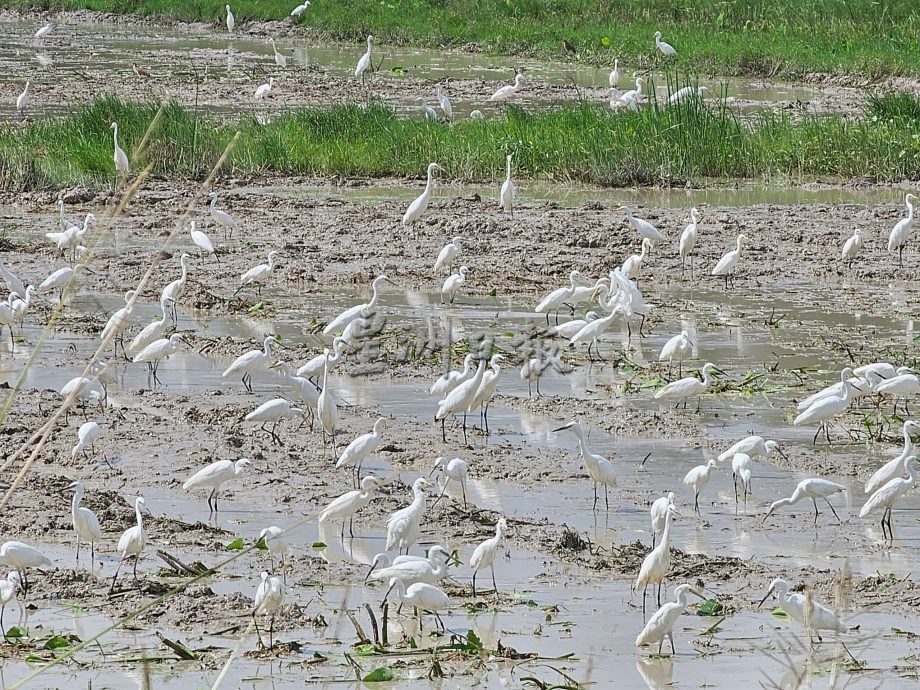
pixel 563 612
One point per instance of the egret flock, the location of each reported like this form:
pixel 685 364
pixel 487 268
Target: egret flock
pixel 585 311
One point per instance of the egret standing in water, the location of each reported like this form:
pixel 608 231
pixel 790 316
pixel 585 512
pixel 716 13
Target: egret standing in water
pixel 132 542
pixel 688 241
pixel 352 313
pixel 8 590
pixel 460 399
pixel 888 494
pixel 677 347
pixel 257 275
pixel 455 470
pixel 222 218
pixel 361 448
pixel 280 60
pixel 614 77
pixel 21 556
pixel 444 102
pixel 827 407
pixel 742 469
pixel 251 362
pixel 655 565
pixel 698 478
pixel 666 48
pixel 662 622
pixel 484 555
pixel 508 191
pixel 690 387
pixel 508 90
pixel 364 63
pixel 214 476
pixel 803 609
pixel 814 489
pixel 158 350
pixel 726 265
pixel 85 523
pixel 420 205
pixel 452 285
pixel 900 233
pixel 599 468
pixel 423 597
pixel 345 506
pixel 268 600
pixel 555 300
pixel 754 446
pixel 403 525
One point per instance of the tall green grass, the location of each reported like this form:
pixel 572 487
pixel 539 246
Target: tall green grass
pixel 726 36
pixel 692 142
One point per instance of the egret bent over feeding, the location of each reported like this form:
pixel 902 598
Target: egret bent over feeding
pixel 455 470
pixel 814 489
pixel 273 411
pixel 803 609
pixel 214 476
pixel 423 597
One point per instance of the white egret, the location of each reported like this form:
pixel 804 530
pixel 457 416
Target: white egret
pixel 264 89
pixel 455 470
pixel 592 330
pixel 85 389
pixel 121 158
pixel 345 506
pixel 659 514
pixel 153 331
pixel 365 62
pixel 8 316
pixel 222 218
pixel 61 277
pixel 644 228
pixel 273 411
pixel 257 275
pixel 508 192
pixel 114 328
pixel 460 399
pixel 12 280
pixel 22 100
pixel 215 475
pixel 452 285
pixel 569 328
pixel 883 369
pixel 231 21
pixel 803 609
pixel 558 297
pixel 419 206
pixel 532 370
pixel 174 290
pixel 508 90
pixel 326 408
pixel 900 386
pixel 886 496
pixel 686 388
pixel 132 542
pixel 447 382
pixel 698 478
pixel 895 467
pixel 662 622
pixel 9 587
pixel 687 93
pixel 862 385
pixel 430 114
pixel 268 601
pixel 726 265
pixel 477 115
pixel 86 437
pixel 444 102
pixel 21 556
pixel 813 488
pixel 43 31
pixel 614 77
pixel 300 9
pixel 361 448
pixel 677 347
pixel 85 522
pixel 403 525
pixel 852 246
pixel 421 596
pixel 352 313
pixel 280 60
pixel 303 389
pixel 754 446
pixel 251 362
pixel 666 48
pixel 688 241
pixel 828 407
pixel 599 468
pixel 21 306
pixel 410 569
pixel 633 264
pixel 446 256
pixel 629 99
pixel 742 467
pixel 900 233
pixel 314 366
pixel 275 543
pixel 158 350
pixel 487 389
pixel 656 563
pixel 484 554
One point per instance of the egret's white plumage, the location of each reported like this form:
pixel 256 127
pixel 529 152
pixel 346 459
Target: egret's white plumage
pixel 633 264
pixel 644 228
pixel 85 522
pixel 677 348
pixel 452 285
pixel 688 240
pixel 726 265
pixel 614 77
pixel 852 246
pixel 813 488
pixel 655 565
pixel 340 322
pixel 755 446
pixel 662 622
pixel 827 407
pixel 430 114
pixel 365 61
pixel 132 541
pixel 422 596
pixel 599 468
pixel 455 470
pixel 277 545
pixel 22 100
pixel 268 601
pixel 121 158
pixel 508 191
pixel 264 89
pixel 403 525
pixel 231 21
pixel 666 48
pixel 273 411
pixel 887 495
pixel 555 299
pixel 446 256
pixel 251 362
pixel 444 102
pixel 484 554
pixel 300 9
pixel 21 556
pixel 86 436
pixel 659 514
pixel 420 205
pixel 361 448
pixel 345 506
pixel 900 233
pixel 508 90
pixel 894 467
pixel 257 275
pixel 447 382
pixel 804 609
pixel 222 218
pixel 686 388
pixel 687 93
pixel 214 476
pixel 698 478
pixel 280 60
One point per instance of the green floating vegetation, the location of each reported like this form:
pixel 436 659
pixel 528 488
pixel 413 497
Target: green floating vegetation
pixel 737 37
pixel 583 142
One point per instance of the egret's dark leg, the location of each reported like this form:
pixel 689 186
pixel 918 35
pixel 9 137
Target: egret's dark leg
pixel 474 583
pixel 816 511
pixel 606 498
pixel 494 586
pixel 832 510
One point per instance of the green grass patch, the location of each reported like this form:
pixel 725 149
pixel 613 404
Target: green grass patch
pixel 726 37
pixel 582 142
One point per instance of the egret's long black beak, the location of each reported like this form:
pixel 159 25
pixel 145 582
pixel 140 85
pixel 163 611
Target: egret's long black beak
pixel 767 596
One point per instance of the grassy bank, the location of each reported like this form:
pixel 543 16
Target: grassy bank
pixel 738 37
pixel 583 142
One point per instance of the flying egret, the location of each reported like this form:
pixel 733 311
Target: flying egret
pixel 326 408
pixel 484 554
pixel 22 100
pixel 85 523
pixel 687 93
pixel 132 542
pixel 614 77
pixel 423 597
pixel 273 537
pixel 698 478
pixel 460 399
pixel 447 382
pixel 686 388
pixel 300 9
pixel 352 313
pixel 313 368
pixel 655 565
pixel 662 622
pixel 755 446
pixel 824 409
pixel 666 48
pixel 273 411
pixel 659 514
pixel 21 556
pixel 158 350
pixel 174 290
pixel 403 525
pixel 348 504
pixel 599 468
pixel 264 89
pixel 430 114
pixel 555 300
pixel 886 496
pixel 726 265
pixel 86 437
pixel 644 228
pixel 688 240
pixel 365 62
pixel 9 587
pixel 444 102
pixel 268 601
pixel 741 469
pixel 257 275
pixel 361 448
pixel 452 285
pixel 508 191
pixel 231 22
pixel 446 256
pixel 677 347
pixel 803 609
pixel 222 218
pixel 814 489
pixel 203 242
pixel 214 476
pixel 280 60
pixel 121 158
pixel 895 467
pixel 508 90
pixel 633 264
pixel 900 233
pixel 487 389
pixel 852 246
pixel 251 362
pixel 418 207
pixel 455 470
